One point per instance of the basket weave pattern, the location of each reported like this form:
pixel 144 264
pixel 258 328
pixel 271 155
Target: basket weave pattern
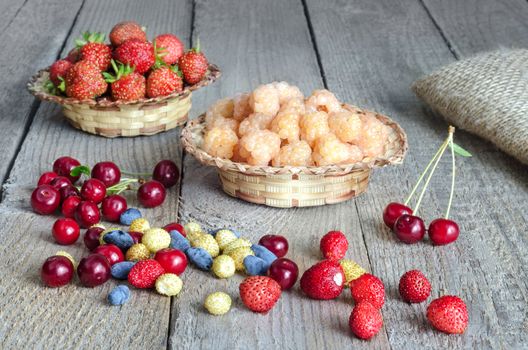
pixel 108 118
pixel 289 186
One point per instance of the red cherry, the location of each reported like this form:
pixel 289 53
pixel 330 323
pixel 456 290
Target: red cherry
pixel 91 237
pixel 46 178
pixel 65 231
pixel 393 211
pixel 93 190
pixel 409 229
pixel 285 272
pixel 136 236
pixel 151 194
pixel 113 206
pixel 60 182
pixel 94 270
pixel 172 260
pixel 276 243
pixel 69 205
pixel 57 271
pixel 111 252
pixel 87 214
pixel 166 172
pixel 175 226
pixel 68 191
pixel 107 172
pixel 64 165
pixel 45 200
pixel 443 231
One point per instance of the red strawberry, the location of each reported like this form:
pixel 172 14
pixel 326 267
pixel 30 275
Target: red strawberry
pixel 164 81
pixel 414 286
pixel 125 84
pixel 169 48
pixel 73 55
pixel 137 54
pixel 334 245
pixel 448 314
pixel 58 70
pixel 84 81
pixel 324 280
pixel 365 320
pixel 368 288
pixel 124 31
pixel 259 293
pixel 193 65
pixel 93 49
pixel 145 273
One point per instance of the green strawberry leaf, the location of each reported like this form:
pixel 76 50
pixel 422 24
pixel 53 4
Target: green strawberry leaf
pixel 460 151
pixel 78 170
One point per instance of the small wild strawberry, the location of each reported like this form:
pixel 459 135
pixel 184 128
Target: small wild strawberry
pixel 334 245
pixel 145 273
pixel 414 286
pixel 259 293
pixel 124 31
pixel 448 314
pixel 137 54
pixel 58 70
pixel 126 84
pixel 368 288
pixel 92 48
pixel 193 65
pixel 84 81
pixel 74 55
pixel 365 320
pixel 164 81
pixel 169 48
pixel 324 280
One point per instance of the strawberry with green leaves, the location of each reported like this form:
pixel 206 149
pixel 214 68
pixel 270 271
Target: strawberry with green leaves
pixel 137 54
pixel 193 65
pixel 125 84
pixel 92 48
pixel 169 47
pixel 164 81
pixel 84 81
pixel 58 71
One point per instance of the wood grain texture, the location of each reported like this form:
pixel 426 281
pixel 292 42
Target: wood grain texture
pixel 77 317
pixel 384 47
pixel 256 42
pixel 49 23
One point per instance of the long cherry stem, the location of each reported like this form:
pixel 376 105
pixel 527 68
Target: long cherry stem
pixel 451 131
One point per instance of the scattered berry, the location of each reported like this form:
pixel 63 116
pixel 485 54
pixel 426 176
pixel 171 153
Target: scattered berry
pixel 285 272
pixel 368 288
pixel 443 231
pixel 259 293
pixel 60 182
pixel 323 280
pixel 46 178
pixel 65 231
pixel 334 245
pixel 414 287
pixel 169 284
pixel 57 271
pixel 365 320
pixel 277 244
pixel 223 266
pixel 64 165
pixel 45 200
pixel 175 226
pixel 69 205
pixel 409 229
pixel 155 239
pixel 112 207
pixel 91 237
pixel 151 194
pixel 393 211
pixel 138 252
pixel 67 255
pixel 121 270
pixel 448 314
pixel 178 241
pixel 237 243
pixel 208 243
pixel 68 191
pixel 93 270
pixel 172 260
pixel 139 225
pixel 200 258
pixel 145 273
pixel 254 266
pixel 111 252
pixel 352 270
pixel 87 214
pixel 166 172
pixel 119 238
pixel 93 190
pixel 128 216
pixel 217 303
pixel 119 295
pixel 238 255
pixel 224 237
pixel 106 172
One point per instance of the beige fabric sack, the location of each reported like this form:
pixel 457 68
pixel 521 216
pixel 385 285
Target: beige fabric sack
pixel 486 95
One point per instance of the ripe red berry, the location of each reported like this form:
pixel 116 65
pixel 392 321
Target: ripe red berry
pixel 113 206
pixel 285 272
pixel 94 270
pixel 87 214
pixel 60 182
pixel 106 172
pixel 58 70
pixel 277 244
pixel 45 200
pixel 193 64
pixel 409 229
pixel 64 165
pixel 69 205
pixel 334 245
pixel 365 320
pixel 414 286
pixel 136 236
pixel 145 273
pixel 393 211
pixel 91 237
pixel 151 194
pixel 172 260
pixel 57 271
pixel 127 30
pixel 65 231
pixel 166 172
pixel 448 314
pixel 175 226
pixel 93 190
pixel 111 252
pixel 259 293
pixel 137 54
pixel 97 53
pixel 169 47
pixel 324 280
pixel 443 231
pixel 68 191
pixel 46 178
pixel 163 81
pixel 368 288
pixel 84 81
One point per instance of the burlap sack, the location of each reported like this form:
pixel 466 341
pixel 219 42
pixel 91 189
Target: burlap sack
pixel 486 95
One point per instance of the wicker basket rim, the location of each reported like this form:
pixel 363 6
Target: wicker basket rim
pixel 189 133
pixel 36 87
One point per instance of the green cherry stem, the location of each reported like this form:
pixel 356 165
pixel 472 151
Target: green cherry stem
pixel 451 131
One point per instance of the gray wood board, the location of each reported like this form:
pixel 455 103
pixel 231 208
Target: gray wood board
pixel 382 48
pixel 22 55
pixel 255 42
pixel 77 317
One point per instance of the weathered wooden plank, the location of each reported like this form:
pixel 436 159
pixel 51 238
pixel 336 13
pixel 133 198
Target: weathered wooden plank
pixel 376 50
pixel 77 317
pixel 49 23
pixel 256 42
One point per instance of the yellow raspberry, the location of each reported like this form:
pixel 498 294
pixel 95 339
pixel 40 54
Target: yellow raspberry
pixel 255 121
pixel 192 227
pixel 156 239
pixel 265 99
pixel 219 142
pixel 238 255
pixel 237 243
pixel 224 237
pixel 330 150
pixel 223 266
pixel 137 252
pixel 346 125
pixel 313 126
pixel 298 153
pixel 242 108
pixel 260 146
pixel 287 92
pixel 373 136
pixel 224 107
pixel 103 233
pixel 207 242
pixel 67 255
pixel 169 284
pixel 286 125
pixel 139 225
pixel 217 303
pixel 352 270
pixel 323 100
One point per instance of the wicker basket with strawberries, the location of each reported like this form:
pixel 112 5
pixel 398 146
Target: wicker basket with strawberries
pixel 131 87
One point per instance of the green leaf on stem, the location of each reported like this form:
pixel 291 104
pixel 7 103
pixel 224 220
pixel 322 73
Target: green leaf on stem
pixel 460 151
pixel 78 170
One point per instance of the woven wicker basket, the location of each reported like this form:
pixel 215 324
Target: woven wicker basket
pixel 288 186
pixel 124 118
